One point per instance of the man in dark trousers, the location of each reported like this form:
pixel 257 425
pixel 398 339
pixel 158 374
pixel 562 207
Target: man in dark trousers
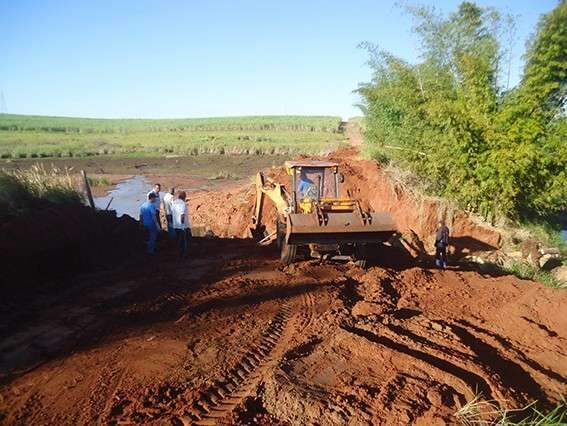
pixel 149 221
pixel 181 223
pixel 157 201
pixel 441 244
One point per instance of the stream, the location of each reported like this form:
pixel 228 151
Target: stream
pixel 127 196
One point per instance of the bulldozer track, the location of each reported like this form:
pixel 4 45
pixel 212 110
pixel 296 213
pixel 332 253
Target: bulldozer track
pixel 308 302
pixel 220 399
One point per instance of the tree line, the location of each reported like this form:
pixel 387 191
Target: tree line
pixel 452 121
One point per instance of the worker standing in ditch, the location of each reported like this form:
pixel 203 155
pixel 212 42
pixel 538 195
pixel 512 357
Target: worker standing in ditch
pixel 181 224
pixel 168 198
pixel 157 201
pixel 441 244
pixel 149 221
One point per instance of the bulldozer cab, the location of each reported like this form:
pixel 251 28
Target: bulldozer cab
pixel 312 181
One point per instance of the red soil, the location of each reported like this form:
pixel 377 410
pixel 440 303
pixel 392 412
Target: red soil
pixel 229 336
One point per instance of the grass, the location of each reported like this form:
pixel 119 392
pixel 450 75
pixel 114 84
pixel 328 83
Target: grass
pixel 99 181
pixel 22 191
pixel 47 137
pixel 223 174
pixel 556 417
pixel 14 122
pixel 529 272
pixel 479 412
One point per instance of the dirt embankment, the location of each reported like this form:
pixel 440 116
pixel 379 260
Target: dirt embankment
pixel 416 217
pixel 228 212
pixel 230 336
pixel 55 241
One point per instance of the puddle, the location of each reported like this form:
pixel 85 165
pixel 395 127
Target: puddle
pixel 127 196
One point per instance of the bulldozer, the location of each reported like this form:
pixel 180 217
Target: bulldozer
pixel 313 216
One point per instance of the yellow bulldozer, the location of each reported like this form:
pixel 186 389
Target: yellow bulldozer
pixel 312 215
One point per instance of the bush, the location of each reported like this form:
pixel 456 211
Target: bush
pixel 61 195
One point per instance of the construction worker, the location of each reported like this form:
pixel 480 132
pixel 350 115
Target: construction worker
pixel 167 200
pixel 306 186
pixel 441 244
pixel 181 224
pixel 149 221
pixel 157 200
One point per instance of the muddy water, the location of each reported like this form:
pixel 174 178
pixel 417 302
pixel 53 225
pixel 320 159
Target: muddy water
pixel 126 197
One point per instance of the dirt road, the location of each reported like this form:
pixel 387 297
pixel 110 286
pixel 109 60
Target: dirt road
pixel 231 337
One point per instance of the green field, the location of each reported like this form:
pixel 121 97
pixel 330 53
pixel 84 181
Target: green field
pixel 26 136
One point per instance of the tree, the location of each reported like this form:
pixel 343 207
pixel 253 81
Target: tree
pixel 448 120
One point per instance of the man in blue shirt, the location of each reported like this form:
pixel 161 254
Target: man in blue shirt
pixel 148 219
pixel 306 186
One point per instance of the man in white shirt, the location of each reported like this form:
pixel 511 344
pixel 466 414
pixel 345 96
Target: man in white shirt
pixel 167 200
pixel 181 224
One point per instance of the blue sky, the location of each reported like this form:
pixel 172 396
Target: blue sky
pixel 203 58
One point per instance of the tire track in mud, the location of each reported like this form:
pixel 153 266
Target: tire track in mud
pixel 494 368
pixel 219 400
pixel 107 383
pixel 445 359
pixel 471 379
pixel 511 373
pixel 515 348
pixel 483 359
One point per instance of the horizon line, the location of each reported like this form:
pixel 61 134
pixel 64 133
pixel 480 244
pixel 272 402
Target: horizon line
pixel 180 118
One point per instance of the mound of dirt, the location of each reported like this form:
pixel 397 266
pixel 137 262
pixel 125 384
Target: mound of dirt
pixel 228 213
pixel 414 345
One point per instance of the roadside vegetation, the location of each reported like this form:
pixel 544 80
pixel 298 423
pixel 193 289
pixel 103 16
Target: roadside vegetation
pixel 530 272
pixel 22 191
pixel 452 120
pixel 480 412
pixel 47 137
pixel 99 181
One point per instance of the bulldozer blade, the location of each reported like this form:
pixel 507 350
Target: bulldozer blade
pixel 341 228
